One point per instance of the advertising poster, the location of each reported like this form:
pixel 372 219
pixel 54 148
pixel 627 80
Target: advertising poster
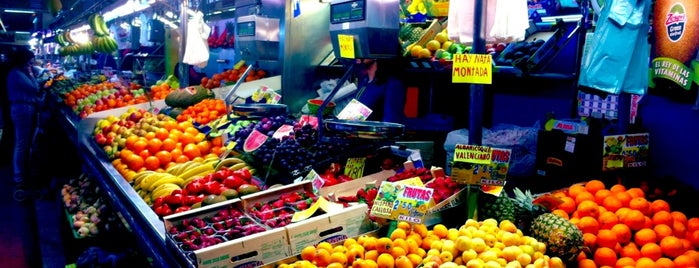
pixel 625 151
pixel 676 42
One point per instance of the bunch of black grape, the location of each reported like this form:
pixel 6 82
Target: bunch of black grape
pixel 268 125
pixel 330 148
pixel 285 154
pixel 306 135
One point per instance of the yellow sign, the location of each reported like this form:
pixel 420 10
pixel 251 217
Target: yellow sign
pixel 472 68
pixel 354 168
pixel 346 45
pixel 473 154
pixel 611 164
pixel 396 201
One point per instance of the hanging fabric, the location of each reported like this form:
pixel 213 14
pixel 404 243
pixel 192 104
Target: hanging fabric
pixel 619 52
pixel 511 21
pixel 461 16
pixel 197 50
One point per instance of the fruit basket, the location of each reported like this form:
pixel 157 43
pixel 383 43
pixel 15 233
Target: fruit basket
pixel 365 129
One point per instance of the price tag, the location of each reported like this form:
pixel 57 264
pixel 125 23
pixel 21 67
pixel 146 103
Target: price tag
pixel 346 45
pixel 354 168
pixel 615 163
pixel 397 201
pixel 472 68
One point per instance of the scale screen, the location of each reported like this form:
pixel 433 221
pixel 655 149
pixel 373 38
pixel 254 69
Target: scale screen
pixel 246 28
pixel 347 11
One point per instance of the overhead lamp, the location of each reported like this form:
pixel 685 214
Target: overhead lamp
pixel 19 11
pixel 125 9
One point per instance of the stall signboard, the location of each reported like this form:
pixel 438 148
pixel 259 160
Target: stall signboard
pixel 625 151
pixel 472 68
pixel 480 165
pixel 402 201
pixel 676 28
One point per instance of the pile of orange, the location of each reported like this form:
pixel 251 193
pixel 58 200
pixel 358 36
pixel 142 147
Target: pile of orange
pixel 624 229
pixel 204 111
pixel 171 142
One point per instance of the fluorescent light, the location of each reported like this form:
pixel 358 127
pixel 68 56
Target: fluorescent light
pixel 19 11
pixel 126 9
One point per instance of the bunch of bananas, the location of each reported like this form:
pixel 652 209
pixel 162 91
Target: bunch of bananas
pixel 191 170
pixel 234 163
pixel 70 47
pixel 150 184
pixel 103 42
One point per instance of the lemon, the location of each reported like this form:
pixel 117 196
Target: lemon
pixel 447 44
pixel 415 50
pixel 433 45
pixel 424 54
pixel 442 37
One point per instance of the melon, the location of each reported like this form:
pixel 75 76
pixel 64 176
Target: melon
pixel 254 141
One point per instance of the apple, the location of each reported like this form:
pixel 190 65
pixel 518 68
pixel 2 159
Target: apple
pixel 101 139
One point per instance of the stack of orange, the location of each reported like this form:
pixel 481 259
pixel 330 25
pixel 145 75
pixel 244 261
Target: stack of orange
pixel 624 229
pixel 170 143
pixel 204 112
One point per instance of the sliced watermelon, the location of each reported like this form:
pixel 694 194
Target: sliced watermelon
pixel 254 141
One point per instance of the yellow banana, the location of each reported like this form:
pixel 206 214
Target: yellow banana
pixel 229 162
pixel 185 166
pixel 139 176
pixel 196 170
pixel 167 178
pixel 150 179
pixel 164 190
pixel 238 166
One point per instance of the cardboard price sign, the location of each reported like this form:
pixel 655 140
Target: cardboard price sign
pixel 472 68
pixel 480 165
pixel 354 168
pixel 346 45
pixel 397 201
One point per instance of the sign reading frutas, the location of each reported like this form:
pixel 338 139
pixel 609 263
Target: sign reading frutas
pixel 401 201
pixel 472 68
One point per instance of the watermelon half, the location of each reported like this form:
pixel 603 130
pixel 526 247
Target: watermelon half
pixel 254 141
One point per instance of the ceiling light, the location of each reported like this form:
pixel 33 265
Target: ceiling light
pixel 19 11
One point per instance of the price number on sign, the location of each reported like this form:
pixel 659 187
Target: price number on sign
pixel 355 167
pixel 346 43
pixel 399 204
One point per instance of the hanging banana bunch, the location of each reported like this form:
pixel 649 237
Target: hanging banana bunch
pixel 101 41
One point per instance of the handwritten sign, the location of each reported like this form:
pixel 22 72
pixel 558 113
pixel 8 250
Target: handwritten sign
pixel 470 165
pixel 354 168
pixel 473 154
pixel 346 45
pixel 472 68
pixel 397 201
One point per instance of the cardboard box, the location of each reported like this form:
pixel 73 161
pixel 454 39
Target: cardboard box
pixel 330 227
pixel 350 188
pixel 255 250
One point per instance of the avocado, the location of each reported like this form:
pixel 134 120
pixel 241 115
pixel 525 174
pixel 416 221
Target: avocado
pixel 230 194
pixel 247 189
pixel 212 199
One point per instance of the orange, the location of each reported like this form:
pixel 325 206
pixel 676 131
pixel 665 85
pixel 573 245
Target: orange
pixel 182 159
pixel 161 133
pixel 693 254
pixel 672 246
pixel 186 138
pixel 135 162
pixel 582 196
pixel 663 217
pixel 601 195
pixel 593 186
pixel 152 163
pixel 340 248
pixel 648 222
pixel 605 256
pixel 630 250
pixel 588 208
pixel 590 240
pixel 130 140
pixel 575 189
pixel 652 251
pixel 168 144
pixel 683 261
pixel 145 153
pixel 622 211
pixel 606 238
pixel 611 203
pixel 623 232
pixel 384 245
pixel 561 213
pixel 338 257
pixel 398 252
pixel 587 263
pixel 693 224
pixel 645 262
pixel 568 204
pixel 335 265
pixel 398 233
pixel 662 230
pixel 645 236
pixel 308 252
pixel 321 257
pixel 440 230
pixel 664 263
pixel 588 224
pixel 679 216
pixel 124 155
pixel 624 197
pixel 636 192
pixel 403 262
pixel 693 238
pixel 678 229
pixel 204 147
pixel 625 262
pixel 139 146
pixel 421 229
pixel 640 204
pixel 634 219
pixel 415 259
pixel 658 205
pixel 191 151
pixel 607 219
pixel 371 255
pixel 149 135
pixel 217 141
pixel 385 260
pixel 617 188
pixel 355 253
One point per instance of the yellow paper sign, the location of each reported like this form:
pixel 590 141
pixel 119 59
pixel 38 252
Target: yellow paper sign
pixel 346 45
pixel 615 163
pixel 321 203
pixel 354 168
pixel 396 201
pixel 473 154
pixel 472 68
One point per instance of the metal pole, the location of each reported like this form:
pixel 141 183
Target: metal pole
pixel 184 68
pixel 475 122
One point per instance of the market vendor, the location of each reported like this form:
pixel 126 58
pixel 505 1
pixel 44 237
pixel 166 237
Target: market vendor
pixel 380 90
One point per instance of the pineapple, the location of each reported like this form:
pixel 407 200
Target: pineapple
pixel 562 238
pixel 499 208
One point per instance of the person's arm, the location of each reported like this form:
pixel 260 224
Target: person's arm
pixel 394 101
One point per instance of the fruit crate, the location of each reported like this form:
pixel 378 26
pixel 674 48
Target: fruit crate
pixel 275 207
pixel 351 187
pixel 224 236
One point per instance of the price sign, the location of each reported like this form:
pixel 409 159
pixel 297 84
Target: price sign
pixel 354 168
pixel 346 45
pixel 397 201
pixel 473 154
pixel 472 68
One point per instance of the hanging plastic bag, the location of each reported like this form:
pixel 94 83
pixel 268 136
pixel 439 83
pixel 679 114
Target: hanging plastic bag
pixel 607 68
pixel 461 17
pixel 511 21
pixel 197 49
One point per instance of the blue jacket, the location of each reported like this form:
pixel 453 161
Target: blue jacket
pixel 22 88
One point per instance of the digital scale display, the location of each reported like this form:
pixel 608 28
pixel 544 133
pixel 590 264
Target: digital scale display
pixel 246 28
pixel 347 11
